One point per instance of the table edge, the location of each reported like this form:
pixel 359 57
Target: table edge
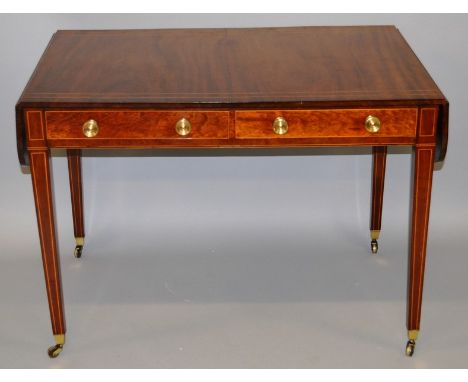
pixel 441 104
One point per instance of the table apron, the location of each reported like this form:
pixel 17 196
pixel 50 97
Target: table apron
pixel 229 143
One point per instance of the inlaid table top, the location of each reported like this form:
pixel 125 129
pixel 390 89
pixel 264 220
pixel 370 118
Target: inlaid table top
pixel 295 65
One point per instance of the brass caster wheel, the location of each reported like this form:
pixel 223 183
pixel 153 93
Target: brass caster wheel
pixel 54 351
pixel 78 250
pixel 374 246
pixel 410 347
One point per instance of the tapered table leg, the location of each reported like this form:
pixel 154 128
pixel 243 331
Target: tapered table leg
pixel 379 156
pixel 76 192
pixel 422 184
pixel 42 188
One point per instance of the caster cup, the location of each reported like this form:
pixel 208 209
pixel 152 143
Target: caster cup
pixel 78 250
pixel 54 351
pixel 374 246
pixel 410 348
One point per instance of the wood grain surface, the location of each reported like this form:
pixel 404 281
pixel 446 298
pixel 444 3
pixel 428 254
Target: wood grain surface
pixel 42 188
pixel 137 125
pixel 234 69
pixel 422 185
pixel 326 123
pixel 76 191
pixel 379 160
pixel 231 65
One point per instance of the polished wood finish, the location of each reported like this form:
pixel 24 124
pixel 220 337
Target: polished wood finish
pixel 42 187
pixel 326 123
pixel 35 137
pixel 424 153
pixel 212 128
pixel 76 191
pixel 231 65
pixel 379 159
pixel 252 68
pixel 422 184
pixel 230 84
pixel 136 125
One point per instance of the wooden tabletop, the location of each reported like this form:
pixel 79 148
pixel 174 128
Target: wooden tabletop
pixel 298 65
pixel 276 68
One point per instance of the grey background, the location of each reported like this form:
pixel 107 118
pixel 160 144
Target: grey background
pixel 256 260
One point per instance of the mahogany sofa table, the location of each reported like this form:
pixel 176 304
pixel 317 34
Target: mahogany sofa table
pixel 230 88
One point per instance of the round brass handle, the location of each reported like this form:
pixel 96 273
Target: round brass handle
pixel 90 128
pixel 183 127
pixel 372 124
pixel 280 126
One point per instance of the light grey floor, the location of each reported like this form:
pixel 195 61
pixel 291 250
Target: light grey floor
pixel 286 285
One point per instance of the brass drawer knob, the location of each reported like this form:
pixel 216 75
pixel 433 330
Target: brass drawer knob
pixel 372 124
pixel 90 128
pixel 280 126
pixel 183 127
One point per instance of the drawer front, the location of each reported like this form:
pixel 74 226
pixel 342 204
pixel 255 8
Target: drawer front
pixel 138 125
pixel 326 123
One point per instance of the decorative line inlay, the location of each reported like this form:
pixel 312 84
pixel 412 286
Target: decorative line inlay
pixel 29 126
pixel 229 95
pixel 434 122
pixel 425 228
pixel 58 314
pixel 53 244
pixel 41 232
pixel 414 316
pixel 379 162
